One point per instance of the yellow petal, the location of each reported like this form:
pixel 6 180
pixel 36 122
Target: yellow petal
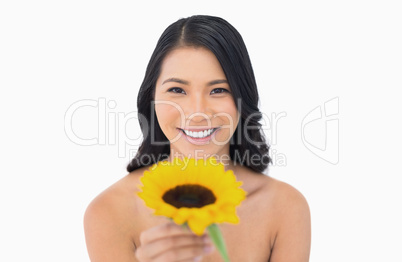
pixel 166 210
pixel 182 215
pixel 166 175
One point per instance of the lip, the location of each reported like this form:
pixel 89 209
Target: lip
pixel 199 141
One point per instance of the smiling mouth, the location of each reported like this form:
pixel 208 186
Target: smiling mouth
pixel 199 134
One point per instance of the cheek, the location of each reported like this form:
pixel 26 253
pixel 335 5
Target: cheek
pixel 167 115
pixel 228 111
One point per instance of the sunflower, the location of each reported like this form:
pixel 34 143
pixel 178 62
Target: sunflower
pixel 194 192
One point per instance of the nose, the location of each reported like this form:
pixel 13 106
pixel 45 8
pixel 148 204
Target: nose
pixel 199 109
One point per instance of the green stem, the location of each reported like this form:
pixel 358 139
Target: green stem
pixel 217 238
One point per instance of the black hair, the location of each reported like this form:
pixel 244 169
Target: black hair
pixel 225 42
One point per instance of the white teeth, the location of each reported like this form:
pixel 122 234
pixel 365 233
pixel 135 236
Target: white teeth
pixel 199 134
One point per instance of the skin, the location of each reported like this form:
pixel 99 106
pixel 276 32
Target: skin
pixel 274 218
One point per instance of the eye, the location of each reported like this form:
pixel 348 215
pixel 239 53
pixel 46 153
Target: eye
pixel 176 90
pixel 219 91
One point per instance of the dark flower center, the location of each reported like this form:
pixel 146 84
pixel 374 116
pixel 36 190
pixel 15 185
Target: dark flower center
pixel 189 196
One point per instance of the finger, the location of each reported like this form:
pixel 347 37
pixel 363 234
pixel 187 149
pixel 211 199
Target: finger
pixel 155 248
pixel 190 253
pixel 161 231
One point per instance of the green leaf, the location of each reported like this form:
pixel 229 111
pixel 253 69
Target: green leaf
pixel 217 238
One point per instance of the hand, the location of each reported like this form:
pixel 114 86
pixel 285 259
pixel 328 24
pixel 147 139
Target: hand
pixel 170 242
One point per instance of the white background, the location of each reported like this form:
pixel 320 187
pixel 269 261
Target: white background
pixel 304 53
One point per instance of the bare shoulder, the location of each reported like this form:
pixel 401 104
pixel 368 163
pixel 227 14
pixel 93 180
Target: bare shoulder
pixel 292 223
pixel 277 194
pixel 286 196
pixel 109 221
pixel 282 199
pixel 287 216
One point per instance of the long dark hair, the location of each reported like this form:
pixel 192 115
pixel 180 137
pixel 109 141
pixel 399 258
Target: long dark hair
pixel 222 39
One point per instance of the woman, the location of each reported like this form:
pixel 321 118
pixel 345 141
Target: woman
pixel 199 99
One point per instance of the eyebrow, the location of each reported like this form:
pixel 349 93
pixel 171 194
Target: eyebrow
pixel 184 82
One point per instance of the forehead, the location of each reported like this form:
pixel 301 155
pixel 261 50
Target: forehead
pixel 192 64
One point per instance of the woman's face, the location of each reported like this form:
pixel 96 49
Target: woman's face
pixel 194 105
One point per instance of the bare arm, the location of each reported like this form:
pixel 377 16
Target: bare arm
pixel 293 239
pixel 110 224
